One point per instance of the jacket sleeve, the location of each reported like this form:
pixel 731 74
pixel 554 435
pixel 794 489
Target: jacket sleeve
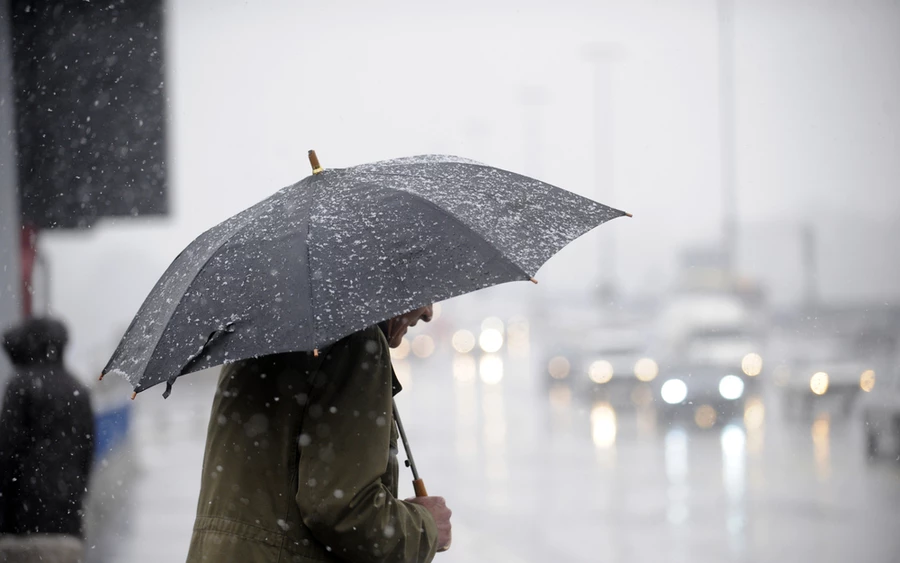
pixel 344 449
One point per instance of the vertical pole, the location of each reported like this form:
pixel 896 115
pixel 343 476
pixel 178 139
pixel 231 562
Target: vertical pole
pixel 28 253
pixel 9 201
pixel 603 165
pixel 534 98
pixel 602 56
pixel 727 133
pixel 810 274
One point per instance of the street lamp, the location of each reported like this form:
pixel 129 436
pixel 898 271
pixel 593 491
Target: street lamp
pixel 601 56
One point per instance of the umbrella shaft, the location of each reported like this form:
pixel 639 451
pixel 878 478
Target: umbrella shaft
pixel 409 456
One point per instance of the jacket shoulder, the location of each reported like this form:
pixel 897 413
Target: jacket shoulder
pixel 271 364
pixel 369 339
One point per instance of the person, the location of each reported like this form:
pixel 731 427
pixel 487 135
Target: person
pixel 300 461
pixel 46 448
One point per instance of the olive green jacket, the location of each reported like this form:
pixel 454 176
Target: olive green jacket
pixel 301 463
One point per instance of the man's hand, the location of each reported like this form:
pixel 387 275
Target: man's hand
pixel 441 514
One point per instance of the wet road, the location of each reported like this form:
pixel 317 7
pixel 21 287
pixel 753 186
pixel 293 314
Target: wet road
pixel 536 475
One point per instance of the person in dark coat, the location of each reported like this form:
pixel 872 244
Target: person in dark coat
pixel 46 441
pixel 301 461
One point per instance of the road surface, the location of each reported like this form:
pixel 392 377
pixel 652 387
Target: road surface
pixel 537 475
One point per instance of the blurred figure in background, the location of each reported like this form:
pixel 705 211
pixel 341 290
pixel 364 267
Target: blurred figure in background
pixel 46 448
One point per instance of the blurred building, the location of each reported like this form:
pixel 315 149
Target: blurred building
pixel 82 111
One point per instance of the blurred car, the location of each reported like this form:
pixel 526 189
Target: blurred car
pixel 880 410
pixel 560 355
pixel 710 376
pixel 615 363
pixel 606 362
pixel 822 373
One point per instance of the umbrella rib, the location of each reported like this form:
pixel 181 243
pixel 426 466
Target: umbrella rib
pixel 253 213
pixel 311 318
pixel 484 241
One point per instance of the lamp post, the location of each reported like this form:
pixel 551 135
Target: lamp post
pixel 601 57
pixel 534 99
pixel 725 9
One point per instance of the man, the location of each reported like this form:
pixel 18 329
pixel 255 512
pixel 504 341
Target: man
pixel 300 461
pixel 46 448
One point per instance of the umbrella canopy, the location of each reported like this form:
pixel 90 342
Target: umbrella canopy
pixel 342 250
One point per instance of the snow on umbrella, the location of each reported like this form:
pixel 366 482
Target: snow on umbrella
pixel 342 250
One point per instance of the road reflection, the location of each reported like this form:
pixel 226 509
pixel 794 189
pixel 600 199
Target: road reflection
pixel 821 431
pixel 754 418
pixel 495 468
pixel 676 456
pixel 490 368
pixel 555 460
pixel 603 426
pixel 734 467
pixel 466 419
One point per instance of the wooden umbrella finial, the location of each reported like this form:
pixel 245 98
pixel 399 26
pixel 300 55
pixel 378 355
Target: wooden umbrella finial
pixel 314 162
pixel 133 395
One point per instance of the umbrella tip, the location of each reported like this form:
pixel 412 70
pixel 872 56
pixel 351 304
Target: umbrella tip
pixel 101 377
pixel 533 280
pixel 316 352
pixel 314 162
pixel 133 395
pixel 627 214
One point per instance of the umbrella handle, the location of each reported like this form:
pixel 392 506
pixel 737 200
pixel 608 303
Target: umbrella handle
pixel 314 162
pixel 419 488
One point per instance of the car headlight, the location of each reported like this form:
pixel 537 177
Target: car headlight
pixel 867 380
pixel 751 364
pixel 818 383
pixel 673 391
pixel 558 367
pixel 731 387
pixel 600 371
pixel 646 369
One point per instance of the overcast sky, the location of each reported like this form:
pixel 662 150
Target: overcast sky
pixel 255 84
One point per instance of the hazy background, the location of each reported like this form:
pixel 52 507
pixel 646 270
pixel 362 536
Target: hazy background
pixel 543 455
pixel 254 85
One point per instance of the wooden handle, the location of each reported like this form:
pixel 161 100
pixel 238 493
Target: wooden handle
pixel 419 488
pixel 314 162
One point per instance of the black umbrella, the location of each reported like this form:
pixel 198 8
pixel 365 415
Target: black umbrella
pixel 342 250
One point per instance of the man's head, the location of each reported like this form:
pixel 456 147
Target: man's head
pixel 396 327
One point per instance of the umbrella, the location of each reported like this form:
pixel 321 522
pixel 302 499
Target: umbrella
pixel 341 250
